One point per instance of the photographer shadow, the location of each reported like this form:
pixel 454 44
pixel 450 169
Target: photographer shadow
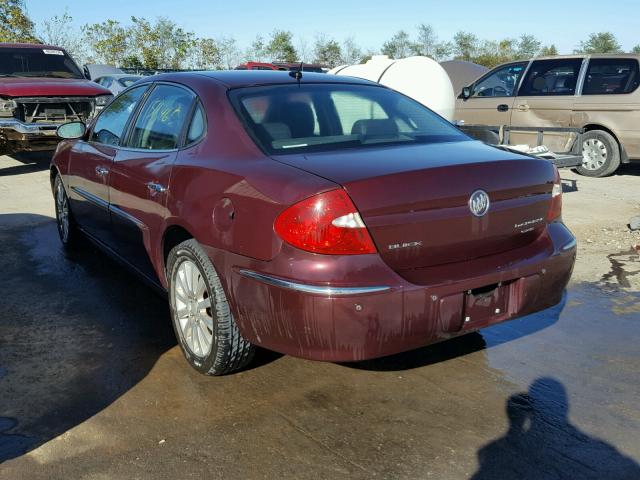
pixel 541 443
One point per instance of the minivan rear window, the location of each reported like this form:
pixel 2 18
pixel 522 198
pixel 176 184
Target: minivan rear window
pixel 610 76
pixel 311 117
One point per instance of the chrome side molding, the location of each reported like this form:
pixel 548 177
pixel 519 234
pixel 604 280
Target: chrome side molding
pixel 317 290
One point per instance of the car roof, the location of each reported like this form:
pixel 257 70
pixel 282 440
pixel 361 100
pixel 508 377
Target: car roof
pixel 29 45
pixel 248 78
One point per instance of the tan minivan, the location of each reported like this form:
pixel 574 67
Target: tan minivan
pixel 596 92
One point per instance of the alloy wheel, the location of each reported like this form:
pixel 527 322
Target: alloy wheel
pixel 62 212
pixel 192 304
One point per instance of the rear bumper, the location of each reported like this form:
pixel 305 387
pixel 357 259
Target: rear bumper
pixel 369 311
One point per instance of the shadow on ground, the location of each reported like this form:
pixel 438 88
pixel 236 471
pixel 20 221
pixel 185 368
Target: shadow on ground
pixel 541 443
pixel 77 332
pixel 30 162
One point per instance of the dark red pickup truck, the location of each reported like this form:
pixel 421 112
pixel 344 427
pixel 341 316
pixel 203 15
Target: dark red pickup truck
pixel 41 87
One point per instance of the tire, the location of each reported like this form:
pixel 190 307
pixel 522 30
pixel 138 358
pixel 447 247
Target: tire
pixel 208 336
pixel 601 153
pixel 67 230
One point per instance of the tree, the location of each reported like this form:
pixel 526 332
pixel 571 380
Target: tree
pixel 549 51
pixel 280 47
pixel 399 46
pixel 528 46
pixel 351 52
pixel 108 40
pixel 636 49
pixel 15 24
pixel 60 31
pixel 206 54
pixel 257 50
pixel 428 45
pixel 327 52
pixel 465 46
pixel 602 42
pixel 162 45
pixel 229 53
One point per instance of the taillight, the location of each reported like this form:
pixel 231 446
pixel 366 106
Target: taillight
pixel 555 210
pixel 327 223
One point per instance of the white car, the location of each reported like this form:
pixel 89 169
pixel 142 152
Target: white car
pixel 117 82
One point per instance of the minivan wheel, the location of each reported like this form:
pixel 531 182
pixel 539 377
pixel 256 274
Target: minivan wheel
pixel 600 153
pixel 67 230
pixel 202 321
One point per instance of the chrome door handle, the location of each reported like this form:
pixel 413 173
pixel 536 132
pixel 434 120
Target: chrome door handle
pixel 102 171
pixel 523 108
pixel 156 187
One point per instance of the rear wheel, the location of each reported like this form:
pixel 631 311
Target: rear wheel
pixel 600 153
pixel 202 320
pixel 67 230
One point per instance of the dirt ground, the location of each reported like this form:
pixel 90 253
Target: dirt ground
pixel 93 385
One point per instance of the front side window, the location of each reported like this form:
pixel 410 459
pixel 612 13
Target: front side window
pixel 610 76
pixel 501 83
pixel 37 62
pixel 321 117
pixel 110 125
pixel 551 77
pixel 162 118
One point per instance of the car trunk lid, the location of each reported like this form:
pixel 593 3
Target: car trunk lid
pixel 415 200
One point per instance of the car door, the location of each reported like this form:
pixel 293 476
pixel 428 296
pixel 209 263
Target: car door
pixel 546 99
pixel 491 97
pixel 141 171
pixel 90 164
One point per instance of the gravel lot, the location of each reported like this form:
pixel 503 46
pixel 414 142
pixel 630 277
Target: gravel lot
pixel 93 386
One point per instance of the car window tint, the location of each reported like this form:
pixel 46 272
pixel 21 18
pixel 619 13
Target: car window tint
pixel 161 119
pixel 607 76
pixel 500 83
pixel 352 108
pixel 106 82
pixel 110 125
pixel 551 77
pixel 321 117
pixel 197 126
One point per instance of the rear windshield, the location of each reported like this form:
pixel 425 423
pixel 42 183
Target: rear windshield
pixel 37 62
pixel 321 117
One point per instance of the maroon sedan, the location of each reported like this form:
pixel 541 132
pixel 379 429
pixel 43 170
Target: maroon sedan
pixel 322 217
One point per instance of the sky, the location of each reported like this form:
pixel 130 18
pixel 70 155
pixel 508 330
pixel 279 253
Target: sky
pixel 370 23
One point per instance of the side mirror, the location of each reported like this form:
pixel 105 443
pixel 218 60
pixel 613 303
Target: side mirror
pixel 71 130
pixel 466 93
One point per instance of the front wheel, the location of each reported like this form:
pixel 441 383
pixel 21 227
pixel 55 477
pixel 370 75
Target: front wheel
pixel 203 323
pixel 600 154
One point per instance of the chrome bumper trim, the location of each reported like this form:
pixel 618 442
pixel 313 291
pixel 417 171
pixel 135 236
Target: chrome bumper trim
pixel 569 245
pixel 44 129
pixel 301 287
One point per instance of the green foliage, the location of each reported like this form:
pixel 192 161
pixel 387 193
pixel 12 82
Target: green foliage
pixel 351 52
pixel 327 52
pixel 399 46
pixel 549 51
pixel 15 25
pixel 280 47
pixel 636 49
pixel 162 45
pixel 108 40
pixel 60 31
pixel 427 44
pixel 602 42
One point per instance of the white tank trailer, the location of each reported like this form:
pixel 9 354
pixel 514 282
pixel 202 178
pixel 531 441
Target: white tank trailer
pixel 420 78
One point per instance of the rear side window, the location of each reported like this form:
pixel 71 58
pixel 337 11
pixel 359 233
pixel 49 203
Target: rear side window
pixel 610 76
pixel 162 119
pixel 551 77
pixel 110 125
pixel 197 127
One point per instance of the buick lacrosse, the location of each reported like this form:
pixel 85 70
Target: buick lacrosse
pixel 323 217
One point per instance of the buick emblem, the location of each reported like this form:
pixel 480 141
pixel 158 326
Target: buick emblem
pixel 479 203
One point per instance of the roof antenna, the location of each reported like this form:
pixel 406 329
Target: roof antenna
pixel 297 74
